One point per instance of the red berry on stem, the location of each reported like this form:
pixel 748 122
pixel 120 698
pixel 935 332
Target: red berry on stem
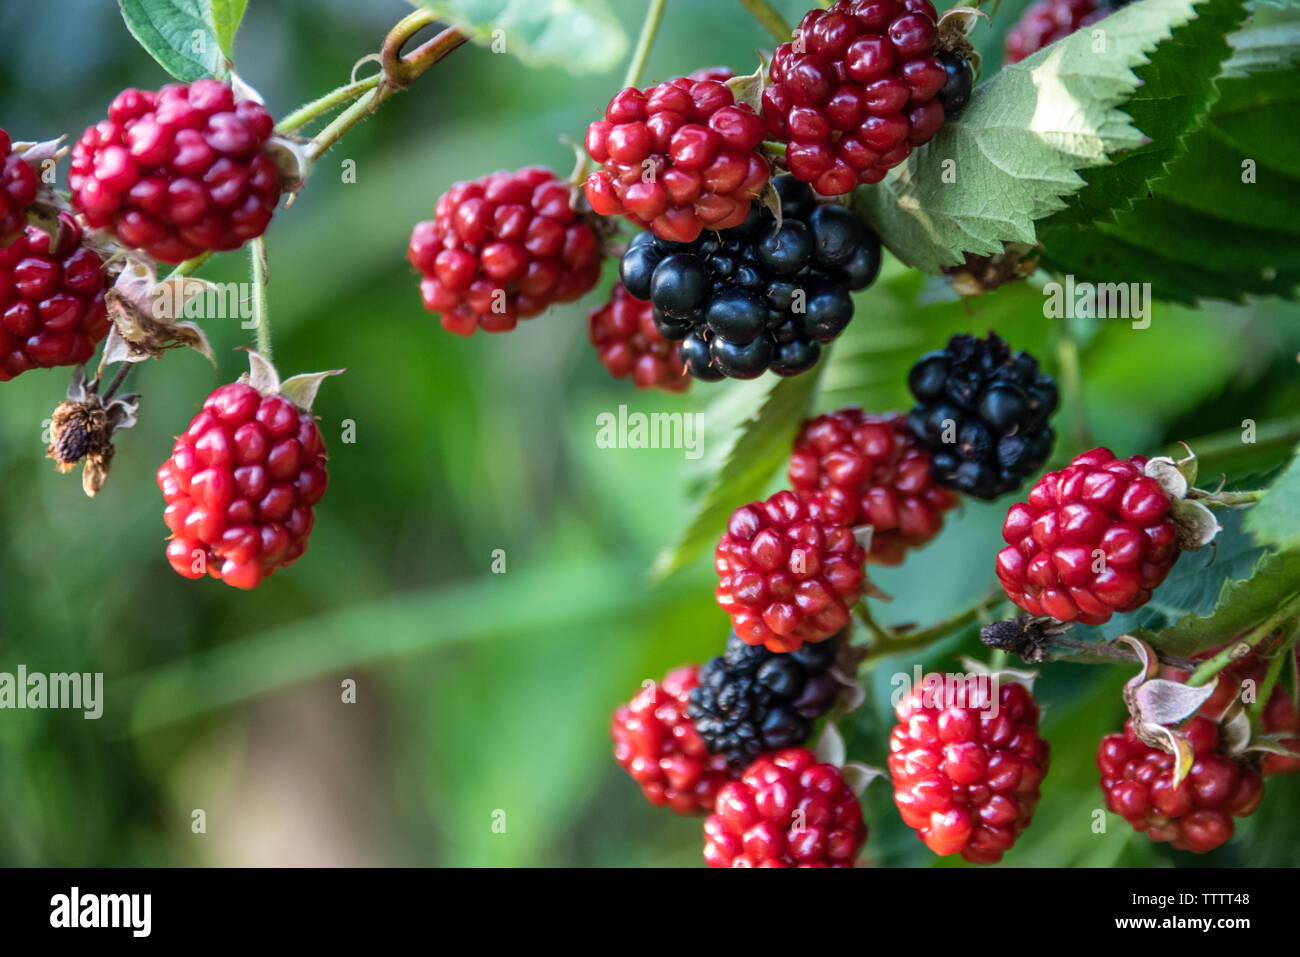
pixel 656 743
pixel 967 767
pixel 873 470
pixel 856 91
pixel 790 572
pixel 178 172
pixel 241 486
pixel 51 301
pixel 19 185
pixel 503 248
pixel 785 811
pixel 1047 21
pixel 1093 539
pixel 627 342
pixel 678 158
pixel 1197 815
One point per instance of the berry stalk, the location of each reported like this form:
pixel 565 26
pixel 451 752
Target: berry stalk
pixel 1210 668
pixel 326 104
pixel 1281 655
pixel 399 72
pixel 767 16
pixel 649 28
pixel 915 640
pixel 261 314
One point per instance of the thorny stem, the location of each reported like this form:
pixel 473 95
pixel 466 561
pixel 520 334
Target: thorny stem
pixel 1117 652
pixel 399 72
pixel 1280 657
pixel 888 643
pixel 261 314
pixel 190 266
pixel 317 108
pixel 649 27
pixel 771 21
pixel 1211 667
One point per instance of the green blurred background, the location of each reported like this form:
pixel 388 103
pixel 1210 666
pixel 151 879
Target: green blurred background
pixel 478 693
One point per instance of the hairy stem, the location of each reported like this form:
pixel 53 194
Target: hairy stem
pixel 317 108
pixel 261 314
pixel 767 16
pixel 1265 690
pixel 1210 668
pixel 189 267
pixel 649 27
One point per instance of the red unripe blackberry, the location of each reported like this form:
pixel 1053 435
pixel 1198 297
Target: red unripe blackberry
pixel 656 743
pixel 677 158
pixel 19 185
pixel 51 301
pixel 966 773
pixel 178 172
pixel 871 468
pixel 503 248
pixel 789 572
pixel 627 342
pixel 785 811
pixel 1093 539
pixel 1047 21
pixel 240 487
pixel 1196 816
pixel 856 91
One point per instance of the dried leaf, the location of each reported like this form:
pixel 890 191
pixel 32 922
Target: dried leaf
pixel 830 746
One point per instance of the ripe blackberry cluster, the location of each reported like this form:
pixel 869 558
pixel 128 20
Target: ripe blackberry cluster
pixel 240 487
pixel 655 742
pixel 785 811
pixel 678 158
pixel 51 300
pixel 751 701
pixel 1046 21
pixel 966 773
pixel 178 172
pixel 18 187
pixel 859 89
pixel 753 297
pixel 788 573
pixel 627 342
pixel 873 470
pixel 1195 816
pixel 983 414
pixel 503 248
pixel 1096 503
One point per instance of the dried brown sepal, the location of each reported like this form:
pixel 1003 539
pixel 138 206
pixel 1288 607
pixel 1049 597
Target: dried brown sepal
pixel 1156 703
pixel 145 311
pixel 978 275
pixel 82 427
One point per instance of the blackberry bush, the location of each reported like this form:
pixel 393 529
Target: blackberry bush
pixel 755 297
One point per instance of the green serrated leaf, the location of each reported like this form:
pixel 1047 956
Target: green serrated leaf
pixel 580 35
pixel 179 34
pixel 1241 604
pixel 1221 225
pixel 755 452
pixel 1275 518
pixel 1015 150
pixel 226 16
pixel 1175 96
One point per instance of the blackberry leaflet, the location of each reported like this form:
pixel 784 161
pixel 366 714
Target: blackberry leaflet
pixel 757 297
pixel 751 701
pixel 983 413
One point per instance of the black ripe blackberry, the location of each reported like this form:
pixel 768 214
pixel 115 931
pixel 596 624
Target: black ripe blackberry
pixel 751 701
pixel 960 80
pixel 756 297
pixel 983 414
